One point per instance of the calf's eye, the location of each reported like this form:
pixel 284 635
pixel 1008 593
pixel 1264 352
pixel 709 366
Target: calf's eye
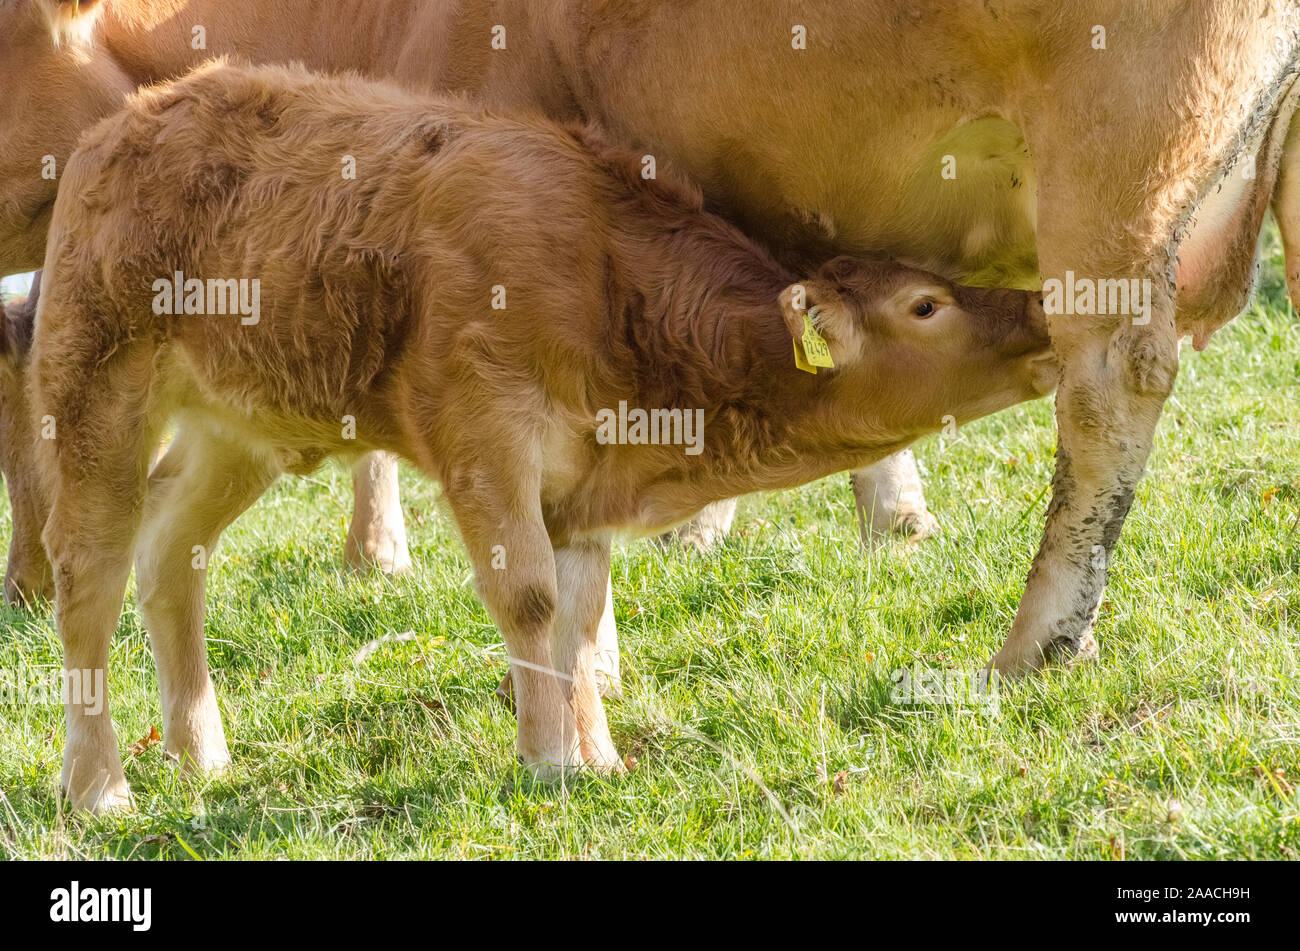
pixel 924 309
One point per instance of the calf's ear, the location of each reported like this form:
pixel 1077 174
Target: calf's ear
pixel 829 313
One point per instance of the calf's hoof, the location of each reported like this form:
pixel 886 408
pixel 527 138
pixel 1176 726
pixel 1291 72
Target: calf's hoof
pixel 103 793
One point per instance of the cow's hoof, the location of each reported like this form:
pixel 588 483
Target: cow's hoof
pixel 26 591
pixel 544 770
pixel 915 526
pixel 196 765
pixel 389 557
pixel 1084 651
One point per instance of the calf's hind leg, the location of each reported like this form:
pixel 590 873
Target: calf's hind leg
pixel 96 469
pixel 203 483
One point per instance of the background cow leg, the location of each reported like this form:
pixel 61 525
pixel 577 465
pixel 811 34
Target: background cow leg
pixel 377 535
pixel 708 527
pixel 28 575
pixel 609 680
pixel 199 487
pixel 890 499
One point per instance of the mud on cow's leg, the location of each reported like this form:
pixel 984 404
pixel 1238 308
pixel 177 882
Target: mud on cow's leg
pixel 890 500
pixel 377 535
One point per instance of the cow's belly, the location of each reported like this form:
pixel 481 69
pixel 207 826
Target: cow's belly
pixel 952 195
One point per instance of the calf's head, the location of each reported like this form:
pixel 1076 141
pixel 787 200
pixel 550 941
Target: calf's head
pixel 913 351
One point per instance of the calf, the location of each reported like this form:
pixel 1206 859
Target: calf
pixel 568 347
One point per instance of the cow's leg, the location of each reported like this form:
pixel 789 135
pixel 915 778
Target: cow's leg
pixel 890 499
pixel 28 575
pixel 514 570
pixel 199 487
pixel 582 580
pixel 708 527
pixel 377 535
pixel 1286 206
pixel 1116 372
pixel 609 680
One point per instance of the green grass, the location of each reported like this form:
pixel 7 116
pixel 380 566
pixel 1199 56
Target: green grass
pixel 757 679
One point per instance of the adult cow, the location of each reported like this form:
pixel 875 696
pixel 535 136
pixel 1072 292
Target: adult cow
pixel 1002 141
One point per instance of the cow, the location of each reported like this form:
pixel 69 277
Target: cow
pixel 569 348
pixel 1014 142
pixel 28 568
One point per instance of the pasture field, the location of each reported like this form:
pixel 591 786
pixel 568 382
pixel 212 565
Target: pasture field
pixel 758 693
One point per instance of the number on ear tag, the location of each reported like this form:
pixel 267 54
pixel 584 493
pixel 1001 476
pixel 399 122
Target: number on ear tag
pixel 814 345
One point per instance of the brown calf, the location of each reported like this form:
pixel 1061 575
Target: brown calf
pixel 507 303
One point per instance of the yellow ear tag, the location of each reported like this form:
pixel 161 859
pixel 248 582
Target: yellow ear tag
pixel 814 345
pixel 800 360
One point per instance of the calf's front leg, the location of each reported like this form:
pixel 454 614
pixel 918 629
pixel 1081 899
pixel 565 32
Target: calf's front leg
pixel 515 573
pixel 582 580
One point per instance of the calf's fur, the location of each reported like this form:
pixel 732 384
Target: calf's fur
pixel 472 300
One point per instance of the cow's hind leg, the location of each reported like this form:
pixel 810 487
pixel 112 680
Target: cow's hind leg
pixel 706 528
pixel 377 535
pixel 891 500
pixel 199 487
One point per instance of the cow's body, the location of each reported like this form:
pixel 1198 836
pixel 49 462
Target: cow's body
pixel 478 299
pixel 1068 158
